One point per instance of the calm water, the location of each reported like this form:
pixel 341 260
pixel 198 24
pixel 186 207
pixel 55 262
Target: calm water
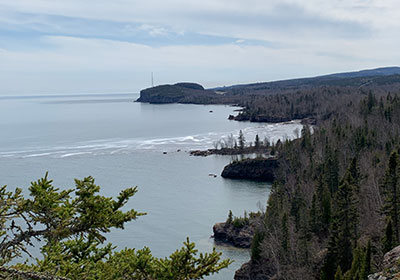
pixel 121 144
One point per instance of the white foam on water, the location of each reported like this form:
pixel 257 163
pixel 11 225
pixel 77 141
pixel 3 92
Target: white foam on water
pixel 74 154
pixel 272 132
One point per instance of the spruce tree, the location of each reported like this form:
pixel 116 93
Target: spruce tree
pixel 355 173
pixel 388 240
pixel 321 212
pixel 255 246
pixel 230 218
pixel 257 142
pixel 241 140
pixel 343 233
pixel 339 274
pixel 391 205
pixel 330 264
pixel 332 170
pixel 356 266
pixel 347 217
pixel 285 234
pixel 366 265
pixel 313 215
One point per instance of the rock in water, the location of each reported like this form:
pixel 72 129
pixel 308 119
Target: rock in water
pixel 238 237
pixel 261 169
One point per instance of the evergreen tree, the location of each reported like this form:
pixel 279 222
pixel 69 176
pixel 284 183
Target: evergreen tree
pixel 339 274
pixel 313 215
pixel 391 205
pixel 388 240
pixel 343 233
pixel 347 217
pixel 321 212
pixel 355 173
pixel 356 266
pixel 255 246
pixel 371 101
pixel 241 140
pixel 332 170
pixel 366 265
pixel 230 218
pixel 296 206
pixel 306 138
pixel 285 234
pixel 257 142
pixel 330 264
pixel 72 225
pixel 326 208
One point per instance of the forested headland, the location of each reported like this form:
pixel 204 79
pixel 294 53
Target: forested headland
pixel 334 209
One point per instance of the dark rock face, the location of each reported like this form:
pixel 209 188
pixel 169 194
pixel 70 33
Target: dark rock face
pixel 177 93
pixel 238 237
pixel 252 169
pixel 253 271
pixel 262 118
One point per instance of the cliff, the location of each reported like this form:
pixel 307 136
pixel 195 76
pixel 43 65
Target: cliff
pixel 261 169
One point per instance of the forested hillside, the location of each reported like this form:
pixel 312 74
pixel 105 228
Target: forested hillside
pixel 334 208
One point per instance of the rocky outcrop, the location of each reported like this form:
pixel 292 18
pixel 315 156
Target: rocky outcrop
pixel 391 266
pixel 261 118
pixel 261 169
pixel 254 271
pixel 238 237
pixel 178 93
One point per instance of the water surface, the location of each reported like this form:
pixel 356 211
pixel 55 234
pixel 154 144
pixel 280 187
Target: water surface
pixel 123 144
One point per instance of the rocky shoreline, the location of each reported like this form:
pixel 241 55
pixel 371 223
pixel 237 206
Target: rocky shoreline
pixel 229 151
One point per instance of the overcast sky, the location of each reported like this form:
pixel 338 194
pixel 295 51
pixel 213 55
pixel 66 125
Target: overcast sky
pixel 88 46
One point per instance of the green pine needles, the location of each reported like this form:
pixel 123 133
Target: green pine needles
pixel 71 225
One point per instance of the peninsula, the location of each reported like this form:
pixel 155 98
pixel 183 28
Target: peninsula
pixel 332 209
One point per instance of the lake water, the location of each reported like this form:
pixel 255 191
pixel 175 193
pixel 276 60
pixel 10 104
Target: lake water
pixel 122 144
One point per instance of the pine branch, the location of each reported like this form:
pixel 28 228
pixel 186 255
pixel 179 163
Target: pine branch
pixel 28 274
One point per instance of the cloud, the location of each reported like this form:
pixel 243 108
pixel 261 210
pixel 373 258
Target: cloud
pixel 71 64
pixel 224 18
pixel 154 30
pixel 91 45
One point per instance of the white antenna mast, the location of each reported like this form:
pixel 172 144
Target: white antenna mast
pixel 152 80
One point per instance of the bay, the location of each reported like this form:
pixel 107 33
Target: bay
pixel 121 144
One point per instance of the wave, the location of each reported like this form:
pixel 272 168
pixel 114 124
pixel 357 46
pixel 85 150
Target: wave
pixel 271 132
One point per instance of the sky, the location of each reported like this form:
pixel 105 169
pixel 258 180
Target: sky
pixel 103 46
